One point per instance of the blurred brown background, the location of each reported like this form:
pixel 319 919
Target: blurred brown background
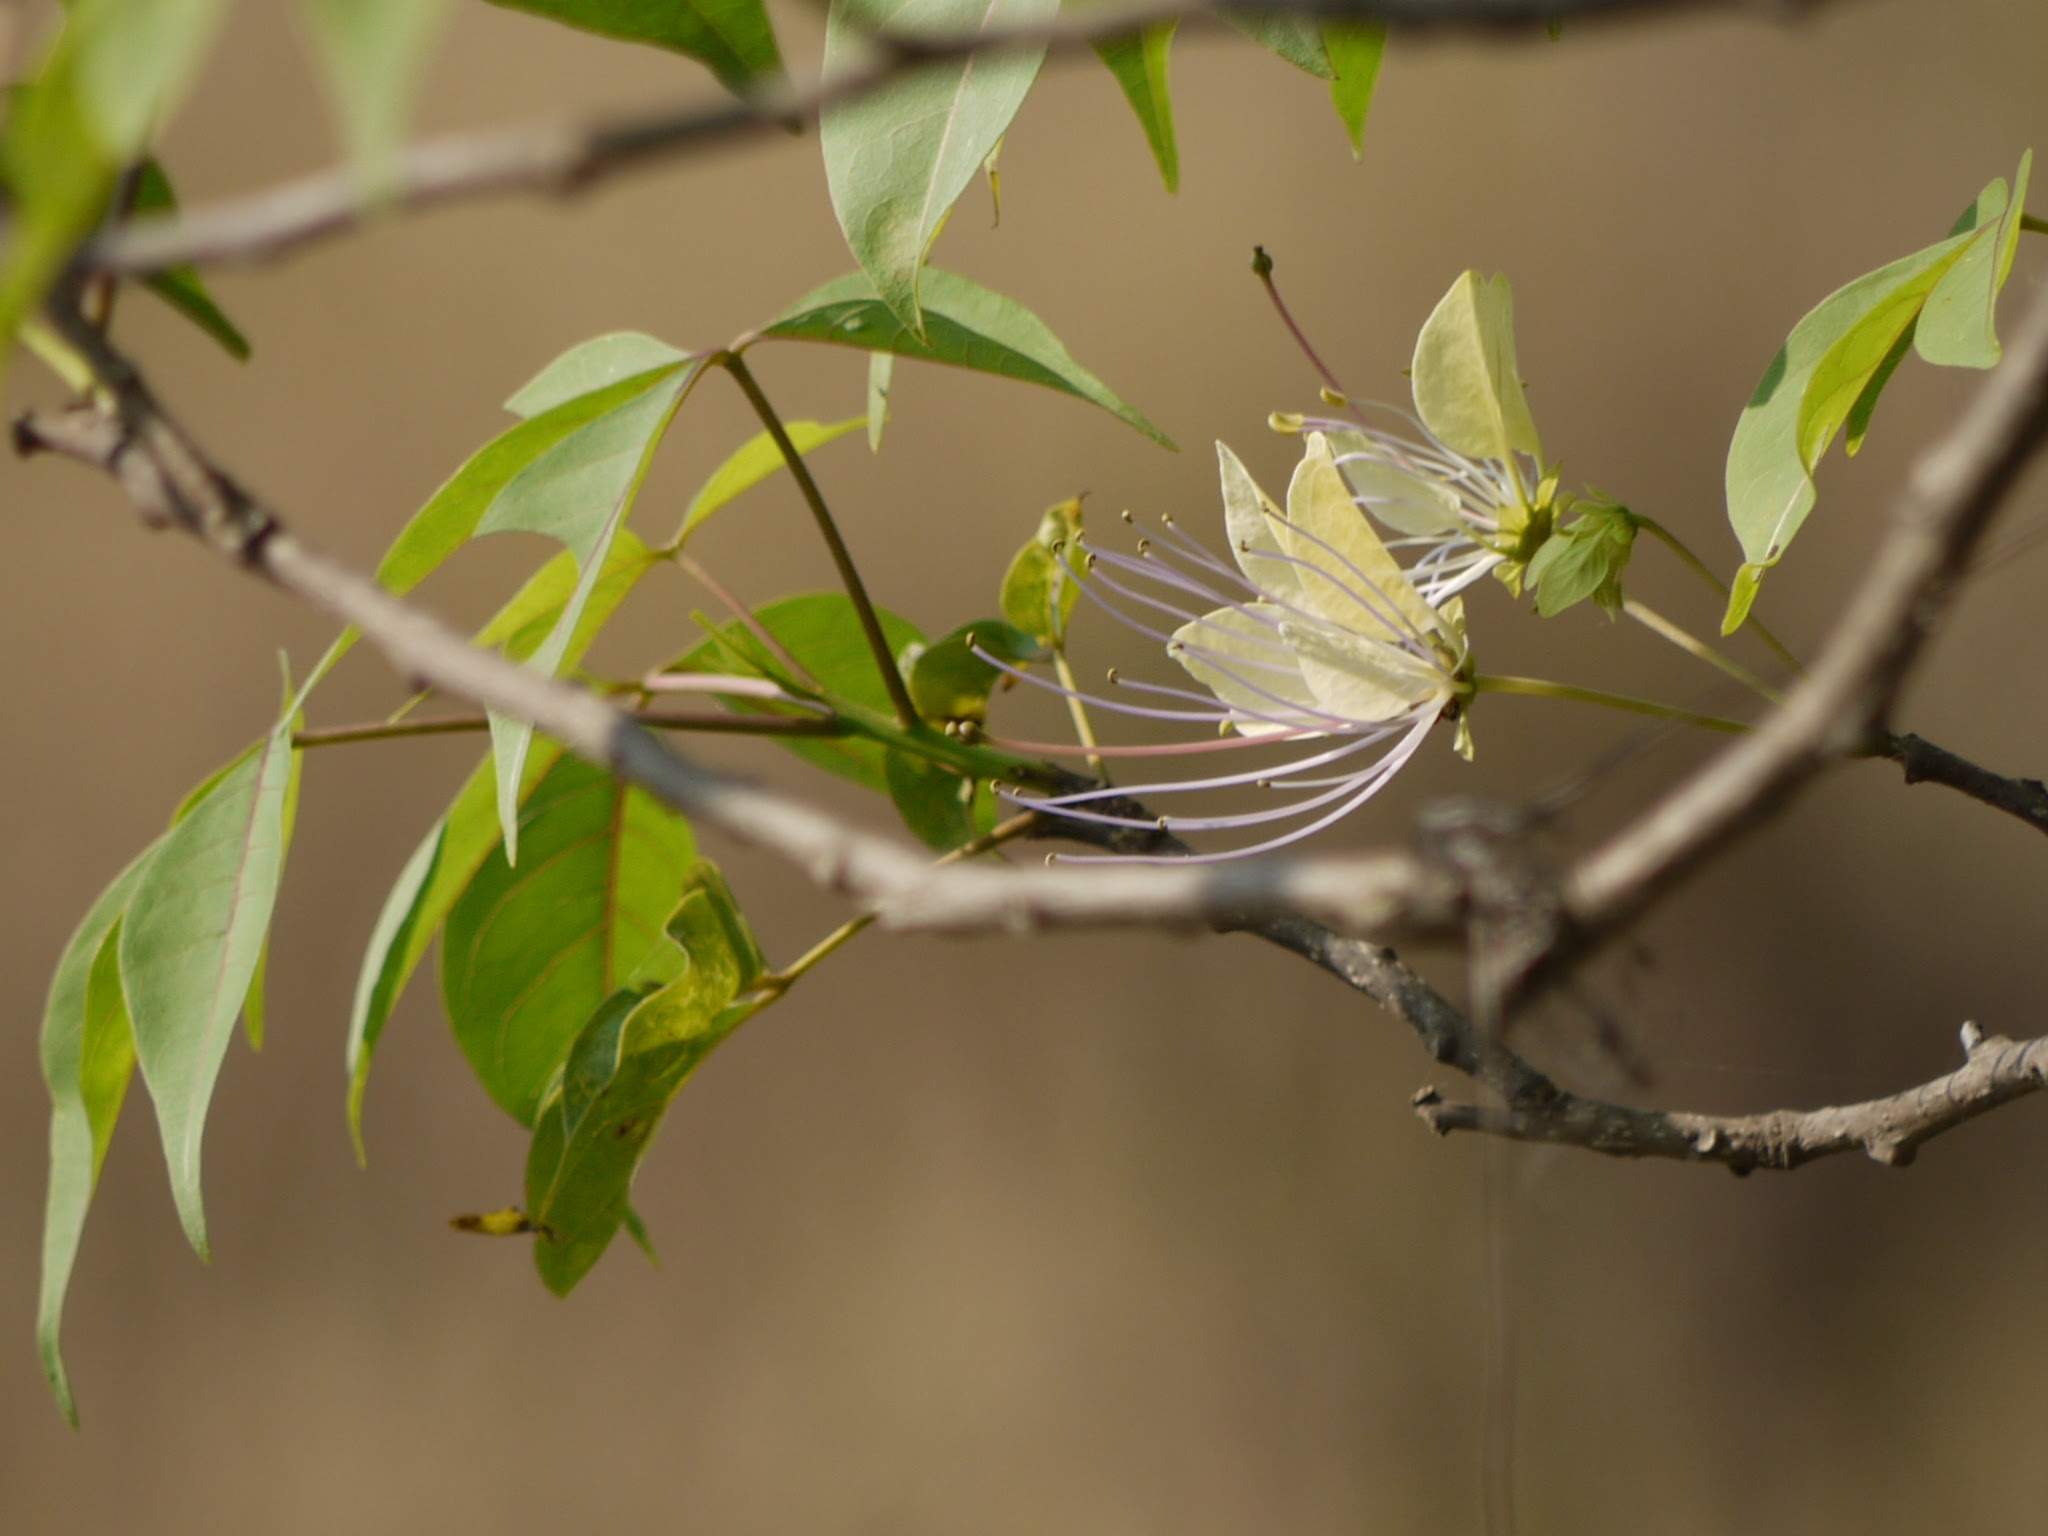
pixel 1115 1235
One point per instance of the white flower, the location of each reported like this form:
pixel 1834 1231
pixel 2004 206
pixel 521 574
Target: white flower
pixel 1468 488
pixel 1316 635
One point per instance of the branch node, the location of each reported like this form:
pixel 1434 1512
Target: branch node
pixel 1973 1038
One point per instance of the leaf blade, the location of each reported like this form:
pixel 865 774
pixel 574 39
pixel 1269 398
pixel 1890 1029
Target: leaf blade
pixel 621 1074
pixel 732 38
pixel 373 53
pixel 438 872
pixel 1140 62
pixel 896 161
pixel 966 326
pixel 757 459
pixel 86 1069
pixel 189 945
pixel 529 953
pixel 1356 50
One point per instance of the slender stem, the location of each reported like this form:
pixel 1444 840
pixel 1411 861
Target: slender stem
pixel 849 576
pixel 775 983
pixel 1542 688
pixel 1084 729
pixel 58 355
pixel 1657 624
pixel 733 725
pixel 2037 226
pixel 1262 267
pixel 1701 569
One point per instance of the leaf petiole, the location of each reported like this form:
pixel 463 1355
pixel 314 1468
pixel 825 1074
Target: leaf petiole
pixel 1701 569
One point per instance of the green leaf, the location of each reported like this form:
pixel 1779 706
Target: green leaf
pixel 576 490
pixel 593 367
pixel 756 461
pixel 189 946
pixel 897 160
pixel 1958 328
pixel 822 631
pixel 535 611
pixel 529 953
pixel 1857 424
pixel 579 491
pixel 1355 50
pixel 1841 381
pixel 107 84
pixel 1139 60
pixel 1584 559
pixel 180 287
pixel 732 37
pixel 436 875
pixel 253 1006
pixel 881 375
pixel 1835 364
pixel 1039 593
pixel 132 60
pixel 1741 597
pixel 620 1075
pixel 966 325
pixel 88 1055
pixel 373 53
pixel 949 682
pixel 58 180
pixel 708 921
pixel 1820 378
pixel 1291 35
pixel 1468 386
pixel 450 517
pixel 942 808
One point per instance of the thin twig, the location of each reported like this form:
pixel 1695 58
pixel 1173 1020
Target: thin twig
pixel 1890 1130
pixel 1925 763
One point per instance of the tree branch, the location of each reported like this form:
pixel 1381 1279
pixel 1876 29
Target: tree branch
pixel 558 159
pixel 172 483
pixel 1925 763
pixel 1890 1130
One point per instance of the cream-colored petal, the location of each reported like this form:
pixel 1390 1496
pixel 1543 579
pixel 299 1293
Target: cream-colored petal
pixel 1241 657
pixel 1468 386
pixel 1250 516
pixel 1346 574
pixel 1405 501
pixel 1362 679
